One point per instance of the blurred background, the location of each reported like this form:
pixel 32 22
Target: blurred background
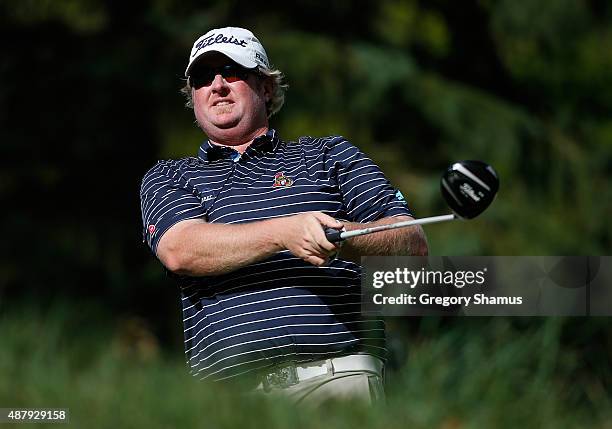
pixel 90 100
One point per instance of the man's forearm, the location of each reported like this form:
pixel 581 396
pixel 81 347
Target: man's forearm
pixel 197 248
pixel 201 248
pixel 402 241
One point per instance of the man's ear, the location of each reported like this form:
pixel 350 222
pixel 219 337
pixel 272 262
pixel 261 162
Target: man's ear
pixel 268 86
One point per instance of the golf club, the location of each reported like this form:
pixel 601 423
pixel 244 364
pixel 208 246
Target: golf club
pixel 468 187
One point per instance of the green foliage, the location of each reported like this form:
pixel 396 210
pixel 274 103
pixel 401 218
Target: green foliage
pixel 473 374
pixel 83 16
pixel 402 23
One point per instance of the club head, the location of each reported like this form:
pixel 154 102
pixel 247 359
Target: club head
pixel 469 187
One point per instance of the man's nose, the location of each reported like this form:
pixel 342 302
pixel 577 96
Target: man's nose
pixel 218 83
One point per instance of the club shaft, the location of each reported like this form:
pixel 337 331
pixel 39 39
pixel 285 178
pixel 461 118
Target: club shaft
pixel 423 221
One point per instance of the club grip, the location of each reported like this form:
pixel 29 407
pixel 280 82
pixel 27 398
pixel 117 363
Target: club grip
pixel 333 235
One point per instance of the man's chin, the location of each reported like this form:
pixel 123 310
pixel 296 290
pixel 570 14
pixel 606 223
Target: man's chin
pixel 225 122
pixel 226 125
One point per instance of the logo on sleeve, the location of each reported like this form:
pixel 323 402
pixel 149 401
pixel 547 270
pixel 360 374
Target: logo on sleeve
pixel 280 180
pixel 400 198
pixel 151 229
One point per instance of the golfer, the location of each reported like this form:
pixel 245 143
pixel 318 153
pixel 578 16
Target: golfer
pixel 265 297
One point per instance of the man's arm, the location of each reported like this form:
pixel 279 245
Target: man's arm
pixel 196 248
pixel 368 194
pixel 402 241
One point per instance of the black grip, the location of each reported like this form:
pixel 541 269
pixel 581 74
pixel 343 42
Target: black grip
pixel 333 235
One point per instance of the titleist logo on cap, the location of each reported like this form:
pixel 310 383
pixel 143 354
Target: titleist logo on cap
pixel 218 38
pixel 238 44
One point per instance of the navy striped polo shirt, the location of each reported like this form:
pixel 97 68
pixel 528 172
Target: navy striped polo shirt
pixel 283 308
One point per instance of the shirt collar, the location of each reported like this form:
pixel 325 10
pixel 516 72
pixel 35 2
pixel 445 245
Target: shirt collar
pixel 264 143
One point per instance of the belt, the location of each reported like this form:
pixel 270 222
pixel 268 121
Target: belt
pixel 291 373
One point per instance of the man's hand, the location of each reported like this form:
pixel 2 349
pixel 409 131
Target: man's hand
pixel 304 236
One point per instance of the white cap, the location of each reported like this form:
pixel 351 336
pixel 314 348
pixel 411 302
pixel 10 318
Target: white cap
pixel 240 45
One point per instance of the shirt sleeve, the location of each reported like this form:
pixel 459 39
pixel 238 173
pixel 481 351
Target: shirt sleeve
pixel 166 198
pixel 367 193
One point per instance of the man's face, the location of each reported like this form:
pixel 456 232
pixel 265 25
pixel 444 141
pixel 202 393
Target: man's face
pixel 229 110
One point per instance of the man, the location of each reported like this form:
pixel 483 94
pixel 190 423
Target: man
pixel 242 229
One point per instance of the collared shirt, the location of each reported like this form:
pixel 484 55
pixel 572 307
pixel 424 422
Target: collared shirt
pixel 282 308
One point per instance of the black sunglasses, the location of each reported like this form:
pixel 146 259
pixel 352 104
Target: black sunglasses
pixel 204 76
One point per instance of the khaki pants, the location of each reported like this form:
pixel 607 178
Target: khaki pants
pixel 353 381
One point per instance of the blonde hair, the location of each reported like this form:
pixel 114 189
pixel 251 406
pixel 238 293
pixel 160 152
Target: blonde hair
pixel 278 90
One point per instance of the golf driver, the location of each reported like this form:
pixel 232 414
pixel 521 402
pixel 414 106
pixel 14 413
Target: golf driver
pixel 468 187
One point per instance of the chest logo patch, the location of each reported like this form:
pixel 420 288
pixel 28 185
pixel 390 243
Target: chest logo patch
pixel 280 180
